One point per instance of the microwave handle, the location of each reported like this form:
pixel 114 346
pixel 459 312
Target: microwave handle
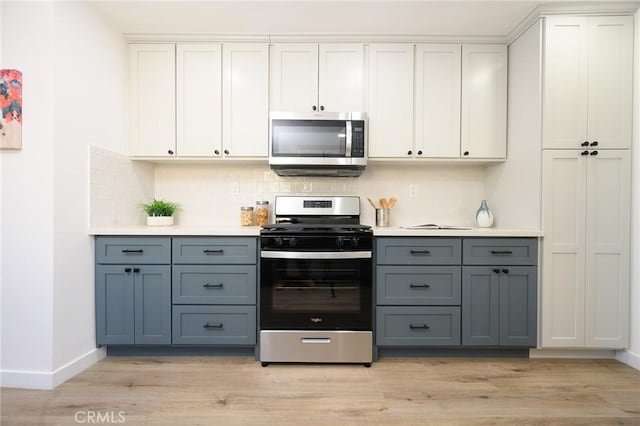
pixel 348 139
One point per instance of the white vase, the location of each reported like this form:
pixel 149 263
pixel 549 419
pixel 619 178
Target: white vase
pixel 159 220
pixel 484 217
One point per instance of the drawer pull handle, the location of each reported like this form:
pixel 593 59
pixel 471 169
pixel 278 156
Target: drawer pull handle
pixel 207 325
pixel 496 270
pixel 132 251
pixel 207 285
pixel 207 251
pixel 501 252
pixel 418 326
pixel 416 252
pixel 315 340
pixel 136 270
pixel 506 271
pixel 419 286
pixel 127 269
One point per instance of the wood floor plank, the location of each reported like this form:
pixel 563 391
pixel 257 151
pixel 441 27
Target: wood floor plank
pixel 394 391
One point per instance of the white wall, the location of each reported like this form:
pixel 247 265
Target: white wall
pixel 73 66
pixel 27 200
pixel 514 187
pixel 632 355
pixel 90 92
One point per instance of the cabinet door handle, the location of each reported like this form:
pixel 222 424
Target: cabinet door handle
pixel 207 285
pixel 321 107
pixel 594 153
pixel 465 153
pixel 594 143
pixel 506 271
pixel 584 153
pixel 497 271
pixel 127 270
pixel 170 152
pixel 226 152
pixel 314 107
pixel 216 152
pixel 132 251
pixel 585 143
pixel 418 326
pixel 409 152
pixel 419 152
pixel 207 251
pixel 207 325
pixel 419 286
pixel 136 269
pixel 501 252
pixel 421 252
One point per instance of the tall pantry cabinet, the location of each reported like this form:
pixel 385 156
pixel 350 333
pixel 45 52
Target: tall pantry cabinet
pixel 587 86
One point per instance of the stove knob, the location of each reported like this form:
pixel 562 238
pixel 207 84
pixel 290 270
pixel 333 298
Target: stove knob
pixel 279 241
pixel 293 241
pixel 354 241
pixel 339 242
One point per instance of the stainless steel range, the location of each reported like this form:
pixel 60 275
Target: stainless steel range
pixel 316 282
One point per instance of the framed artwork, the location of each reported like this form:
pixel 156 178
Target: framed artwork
pixel 11 109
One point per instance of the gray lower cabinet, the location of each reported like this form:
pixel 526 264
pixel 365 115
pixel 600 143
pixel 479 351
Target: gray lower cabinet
pixel 214 291
pixel 499 295
pixel 133 304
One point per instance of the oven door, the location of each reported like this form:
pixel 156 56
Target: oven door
pixel 315 290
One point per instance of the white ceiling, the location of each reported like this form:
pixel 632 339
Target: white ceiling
pixel 387 17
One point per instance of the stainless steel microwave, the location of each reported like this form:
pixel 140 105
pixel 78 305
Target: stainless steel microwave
pixel 318 144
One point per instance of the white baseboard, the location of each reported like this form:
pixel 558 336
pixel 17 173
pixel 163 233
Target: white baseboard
pixel 632 359
pixel 572 353
pixel 49 380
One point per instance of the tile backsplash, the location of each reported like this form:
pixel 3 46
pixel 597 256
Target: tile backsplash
pixel 211 194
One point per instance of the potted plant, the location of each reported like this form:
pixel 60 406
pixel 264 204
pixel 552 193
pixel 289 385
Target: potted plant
pixel 160 212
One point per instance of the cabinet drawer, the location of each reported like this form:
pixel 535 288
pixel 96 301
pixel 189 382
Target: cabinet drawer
pixel 133 250
pixel 214 325
pixel 417 326
pixel 229 250
pixel 214 284
pixel 418 285
pixel 418 251
pixel 500 251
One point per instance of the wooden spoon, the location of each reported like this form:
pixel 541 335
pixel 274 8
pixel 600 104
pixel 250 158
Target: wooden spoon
pixel 372 203
pixel 383 203
pixel 392 202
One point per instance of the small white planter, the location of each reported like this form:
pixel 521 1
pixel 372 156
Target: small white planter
pixel 159 220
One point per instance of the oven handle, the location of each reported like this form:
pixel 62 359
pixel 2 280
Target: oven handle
pixel 315 254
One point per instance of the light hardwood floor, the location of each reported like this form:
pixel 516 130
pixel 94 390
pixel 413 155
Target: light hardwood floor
pixel 396 391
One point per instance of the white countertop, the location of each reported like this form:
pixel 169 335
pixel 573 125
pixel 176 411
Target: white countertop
pixel 243 231
pixel 395 231
pixel 254 231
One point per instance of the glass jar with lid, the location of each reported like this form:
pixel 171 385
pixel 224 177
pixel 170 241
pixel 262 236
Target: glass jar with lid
pixel 262 213
pixel 246 216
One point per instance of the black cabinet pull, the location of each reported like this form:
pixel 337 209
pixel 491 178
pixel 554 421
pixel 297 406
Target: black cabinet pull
pixel 594 143
pixel 136 269
pixel 594 153
pixel 226 151
pixel 497 271
pixel 127 269
pixel 207 325
pixel 132 251
pixel 506 271
pixel 417 252
pixel 207 251
pixel 409 152
pixel 207 285
pixel 418 326
pixel 419 286
pixel 321 107
pixel 465 153
pixel 584 153
pixel 314 107
pixel 419 152
pixel 501 252
pixel 585 143
pixel 170 152
pixel 216 152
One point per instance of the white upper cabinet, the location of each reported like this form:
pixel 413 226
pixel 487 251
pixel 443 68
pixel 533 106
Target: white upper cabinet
pixel 152 97
pixel 245 99
pixel 437 100
pixel 199 100
pixel 588 82
pixel 484 101
pixel 317 77
pixel 391 100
